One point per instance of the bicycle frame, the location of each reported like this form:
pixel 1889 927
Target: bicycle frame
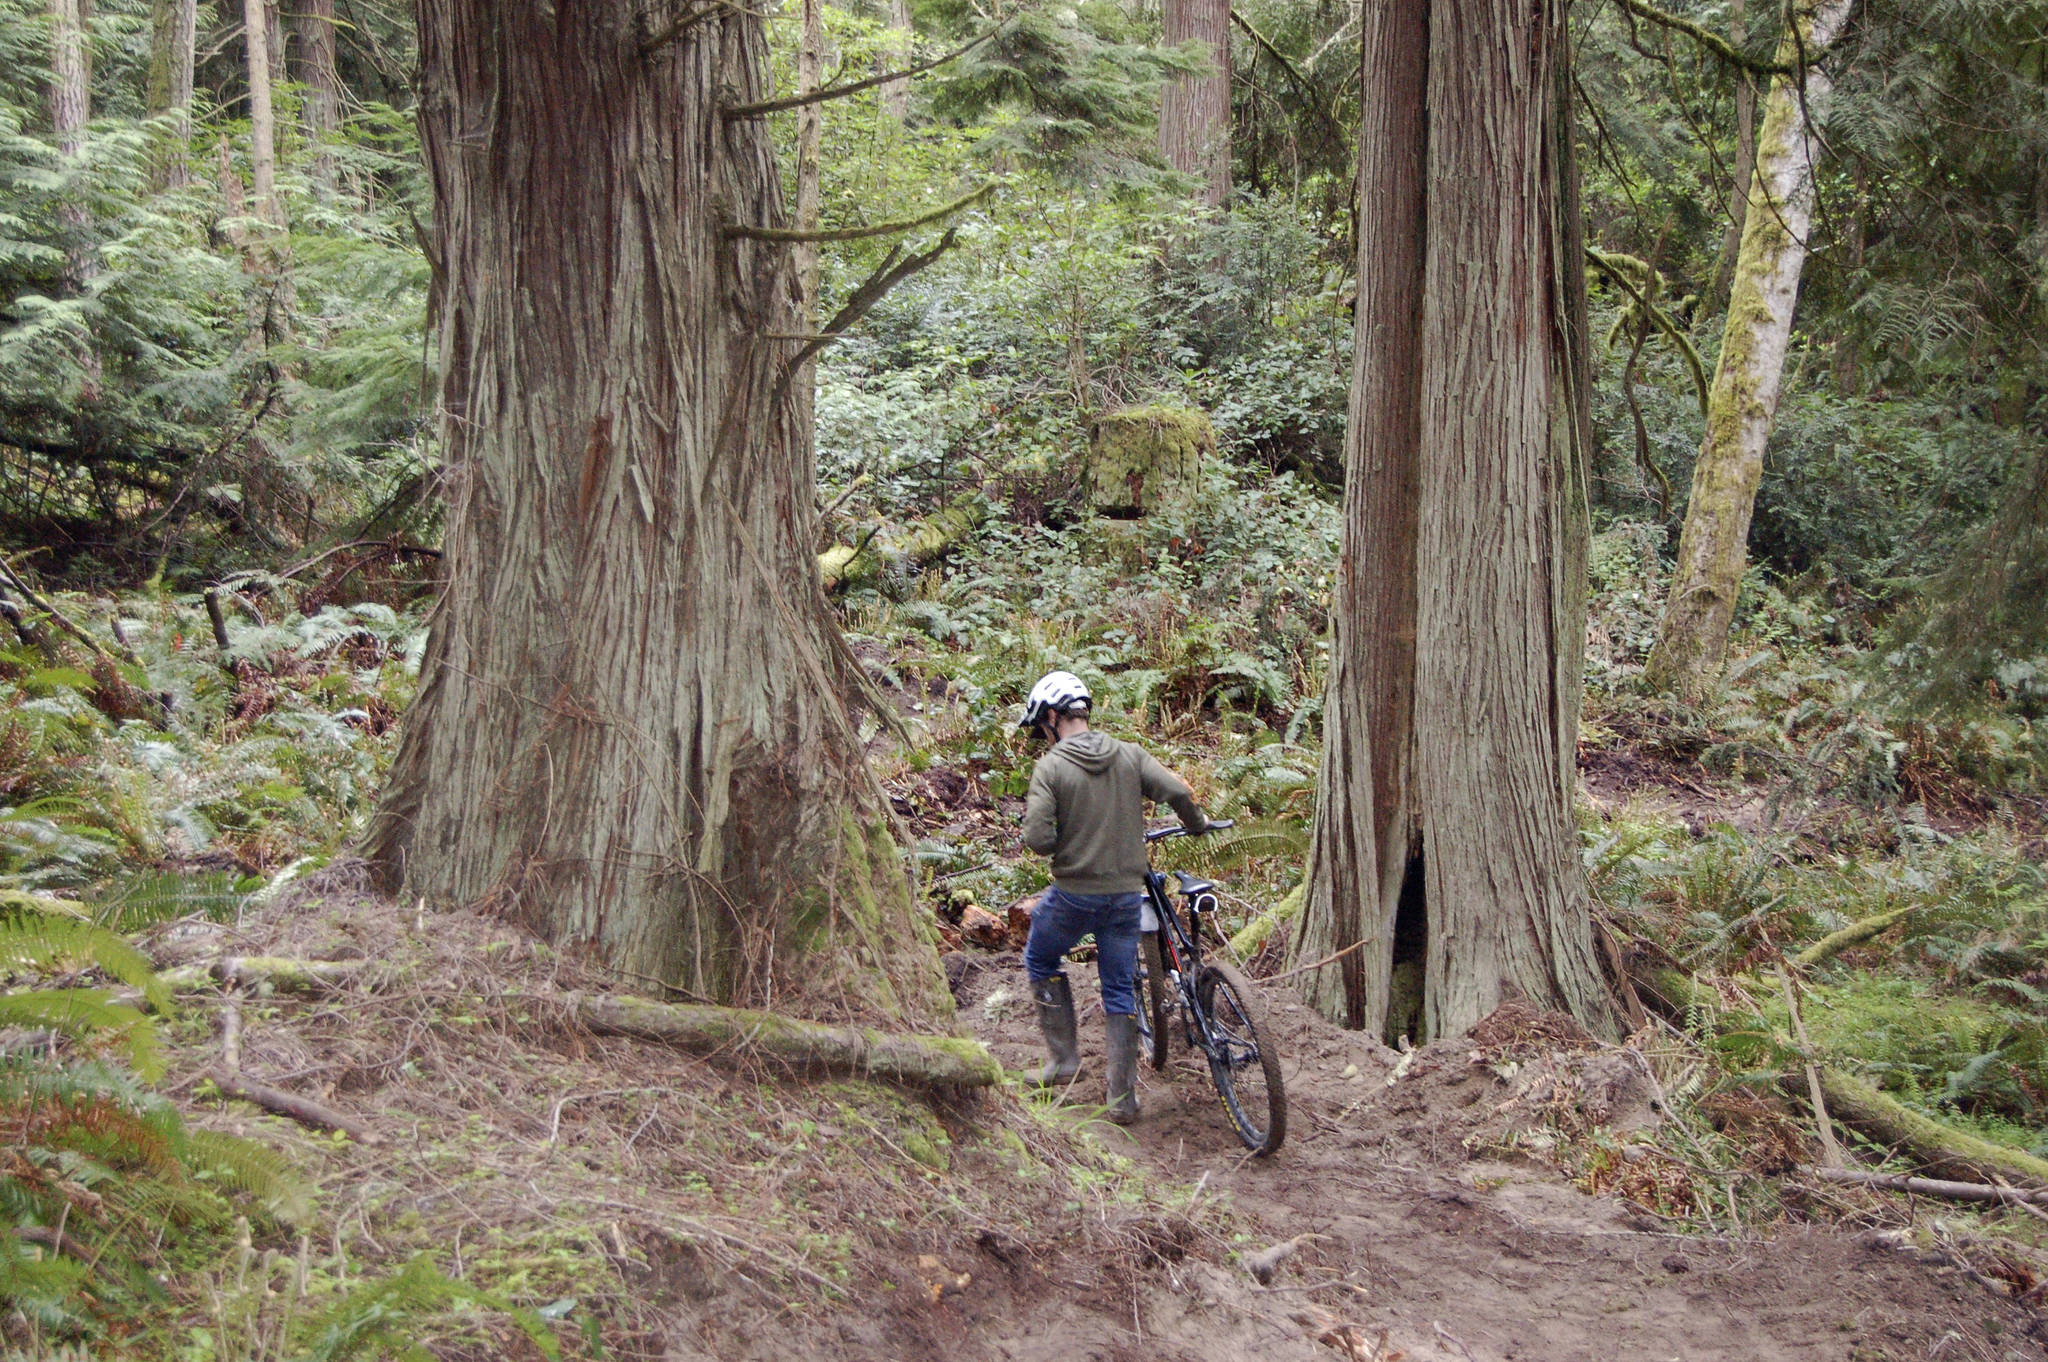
pixel 1181 947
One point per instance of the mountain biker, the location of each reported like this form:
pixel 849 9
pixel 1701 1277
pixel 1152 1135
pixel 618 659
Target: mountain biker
pixel 1086 810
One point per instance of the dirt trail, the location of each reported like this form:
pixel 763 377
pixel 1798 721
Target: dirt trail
pixel 1470 1260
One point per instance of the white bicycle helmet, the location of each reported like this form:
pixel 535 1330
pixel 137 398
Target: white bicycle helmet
pixel 1055 693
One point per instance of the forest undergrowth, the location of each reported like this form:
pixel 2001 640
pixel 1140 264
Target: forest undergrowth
pixel 173 791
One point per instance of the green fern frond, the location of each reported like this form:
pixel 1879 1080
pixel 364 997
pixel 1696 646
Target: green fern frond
pixel 161 896
pixel 160 1201
pixel 252 1170
pixel 376 1315
pixel 87 1015
pixel 41 943
pixel 43 1288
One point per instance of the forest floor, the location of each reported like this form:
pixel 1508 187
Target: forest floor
pixel 684 1208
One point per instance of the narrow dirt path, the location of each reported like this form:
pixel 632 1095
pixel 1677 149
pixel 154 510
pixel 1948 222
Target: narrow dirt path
pixel 1448 1256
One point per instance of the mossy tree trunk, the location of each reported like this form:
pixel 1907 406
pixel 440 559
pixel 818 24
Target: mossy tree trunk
pixel 1443 840
pixel 1692 641
pixel 630 732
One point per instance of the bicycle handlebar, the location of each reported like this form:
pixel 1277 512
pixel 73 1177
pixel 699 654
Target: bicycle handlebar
pixel 1176 830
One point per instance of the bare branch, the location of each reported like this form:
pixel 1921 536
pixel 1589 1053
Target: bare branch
pixel 680 25
pixel 751 233
pixel 1707 38
pixel 830 92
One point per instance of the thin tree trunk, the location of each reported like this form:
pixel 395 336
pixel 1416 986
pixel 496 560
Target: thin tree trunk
pixel 70 110
pixel 173 33
pixel 322 108
pixel 896 93
pixel 1194 111
pixel 262 121
pixel 810 137
pixel 1444 837
pixel 630 732
pixel 1745 159
pixel 1692 642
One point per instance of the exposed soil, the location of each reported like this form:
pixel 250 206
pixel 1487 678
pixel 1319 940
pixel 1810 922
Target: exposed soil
pixel 1425 1234
pixel 708 1209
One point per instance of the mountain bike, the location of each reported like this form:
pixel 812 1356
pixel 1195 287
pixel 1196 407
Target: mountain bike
pixel 1210 1004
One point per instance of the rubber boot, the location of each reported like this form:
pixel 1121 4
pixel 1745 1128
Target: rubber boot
pixel 1123 1069
pixel 1056 1018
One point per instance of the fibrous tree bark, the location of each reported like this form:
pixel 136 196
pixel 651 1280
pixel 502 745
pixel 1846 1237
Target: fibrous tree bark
pixel 1444 853
pixel 631 731
pixel 321 110
pixel 1692 641
pixel 70 110
pixel 1194 111
pixel 173 33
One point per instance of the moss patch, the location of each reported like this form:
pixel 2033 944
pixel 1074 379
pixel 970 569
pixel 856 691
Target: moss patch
pixel 1142 458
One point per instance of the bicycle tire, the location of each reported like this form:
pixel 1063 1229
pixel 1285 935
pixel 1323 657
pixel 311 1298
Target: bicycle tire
pixel 1158 1009
pixel 1247 1072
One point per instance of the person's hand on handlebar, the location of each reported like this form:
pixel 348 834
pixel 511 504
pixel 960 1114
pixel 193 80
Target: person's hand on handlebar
pixel 1176 830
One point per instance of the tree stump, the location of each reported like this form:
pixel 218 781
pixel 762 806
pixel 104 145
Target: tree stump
pixel 1141 459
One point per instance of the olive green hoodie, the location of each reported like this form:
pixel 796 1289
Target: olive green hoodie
pixel 1086 810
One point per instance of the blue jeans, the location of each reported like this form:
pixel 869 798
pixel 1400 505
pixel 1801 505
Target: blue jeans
pixel 1061 920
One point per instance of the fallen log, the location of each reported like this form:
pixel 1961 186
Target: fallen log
pixel 1941 1187
pixel 1859 1105
pixel 930 1061
pixel 850 565
pixel 304 1110
pixel 282 974
pixel 1935 1146
pixel 1254 933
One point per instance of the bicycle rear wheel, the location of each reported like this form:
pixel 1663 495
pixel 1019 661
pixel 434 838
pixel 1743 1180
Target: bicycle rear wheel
pixel 1242 1061
pixel 1153 997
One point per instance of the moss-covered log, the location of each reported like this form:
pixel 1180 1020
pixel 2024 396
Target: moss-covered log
pixel 1932 1145
pixel 851 565
pixel 929 1061
pixel 249 971
pixel 1256 932
pixel 1855 934
pixel 1856 1103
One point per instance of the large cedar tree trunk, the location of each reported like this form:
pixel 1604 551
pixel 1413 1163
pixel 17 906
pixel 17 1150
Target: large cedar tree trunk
pixel 173 33
pixel 1194 111
pixel 1444 841
pixel 631 731
pixel 1713 548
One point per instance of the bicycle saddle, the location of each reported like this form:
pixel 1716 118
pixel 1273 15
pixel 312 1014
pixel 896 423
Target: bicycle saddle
pixel 1192 886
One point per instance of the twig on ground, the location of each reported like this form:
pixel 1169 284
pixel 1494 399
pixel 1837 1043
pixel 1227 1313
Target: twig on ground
pixel 301 1109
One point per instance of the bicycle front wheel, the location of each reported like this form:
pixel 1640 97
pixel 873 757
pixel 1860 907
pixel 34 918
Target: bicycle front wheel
pixel 1242 1061
pixel 1154 996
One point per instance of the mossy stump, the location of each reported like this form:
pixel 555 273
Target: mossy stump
pixel 1142 459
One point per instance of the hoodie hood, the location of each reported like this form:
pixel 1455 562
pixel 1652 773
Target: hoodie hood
pixel 1091 751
